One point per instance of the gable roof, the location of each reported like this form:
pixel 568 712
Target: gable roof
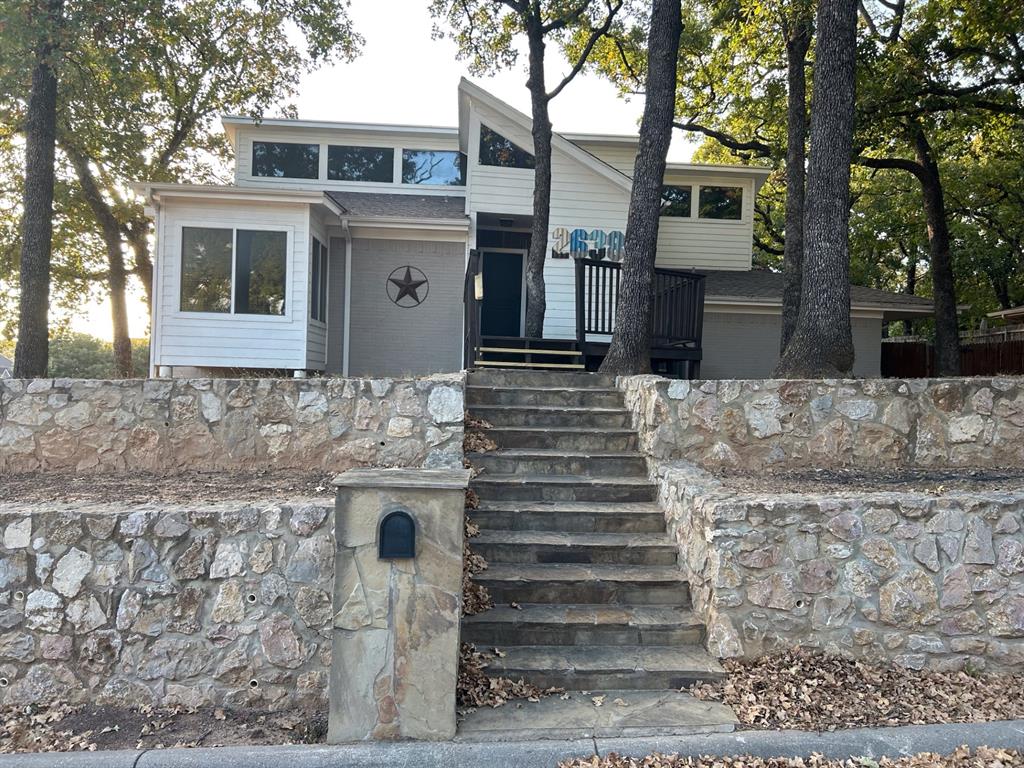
pixel 5 364
pixel 400 206
pixel 468 91
pixel 760 286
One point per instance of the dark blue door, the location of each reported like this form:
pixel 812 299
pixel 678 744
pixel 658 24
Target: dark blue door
pixel 501 312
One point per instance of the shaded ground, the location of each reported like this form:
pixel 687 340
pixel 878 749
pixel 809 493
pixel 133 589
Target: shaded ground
pixel 184 487
pixel 910 480
pixel 812 691
pixel 64 729
pixel 983 757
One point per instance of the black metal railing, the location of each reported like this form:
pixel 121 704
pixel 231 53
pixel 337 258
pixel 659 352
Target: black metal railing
pixel 677 312
pixel 471 341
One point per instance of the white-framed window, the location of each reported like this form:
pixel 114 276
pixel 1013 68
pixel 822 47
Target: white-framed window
pixel 318 283
pixel 230 270
pixel 720 202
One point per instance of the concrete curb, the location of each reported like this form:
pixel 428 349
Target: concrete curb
pixel 867 742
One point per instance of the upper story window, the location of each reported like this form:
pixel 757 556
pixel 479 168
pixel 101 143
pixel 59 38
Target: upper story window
pixel 675 200
pixel 240 271
pixel 361 163
pixel 496 150
pixel 432 166
pixel 720 203
pixel 285 160
pixel 318 285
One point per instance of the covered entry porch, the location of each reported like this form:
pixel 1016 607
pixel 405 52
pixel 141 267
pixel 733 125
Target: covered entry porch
pixel 495 308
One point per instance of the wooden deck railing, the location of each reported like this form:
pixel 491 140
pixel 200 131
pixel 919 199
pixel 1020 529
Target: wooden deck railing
pixel 677 314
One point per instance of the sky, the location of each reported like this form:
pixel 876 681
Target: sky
pixel 405 76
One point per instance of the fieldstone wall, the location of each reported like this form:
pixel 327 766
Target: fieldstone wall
pixel 924 580
pixel 214 604
pixel 161 424
pixel 779 424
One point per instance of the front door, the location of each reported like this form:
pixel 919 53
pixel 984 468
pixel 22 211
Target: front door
pixel 501 312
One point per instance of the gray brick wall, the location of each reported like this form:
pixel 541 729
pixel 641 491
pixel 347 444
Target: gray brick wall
pixel 388 340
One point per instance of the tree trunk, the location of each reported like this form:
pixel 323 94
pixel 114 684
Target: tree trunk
pixel 797 43
pixel 947 327
pixel 32 352
pixel 911 289
pixel 138 240
pixel 822 343
pixel 116 273
pixel 629 351
pixel 536 300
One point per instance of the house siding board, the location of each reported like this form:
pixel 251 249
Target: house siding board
pixel 740 345
pixel 232 341
pixel 336 307
pixel 621 158
pixel 388 340
pixel 582 198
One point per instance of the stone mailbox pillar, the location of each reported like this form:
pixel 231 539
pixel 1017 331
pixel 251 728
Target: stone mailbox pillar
pixel 395 656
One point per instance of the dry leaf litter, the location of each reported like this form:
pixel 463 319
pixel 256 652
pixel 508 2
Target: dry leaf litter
pixel 476 689
pixel 983 757
pixel 810 690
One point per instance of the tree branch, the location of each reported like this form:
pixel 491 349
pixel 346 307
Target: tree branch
pixel 581 61
pixel 760 148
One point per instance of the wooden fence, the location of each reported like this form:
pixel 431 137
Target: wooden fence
pixel 916 359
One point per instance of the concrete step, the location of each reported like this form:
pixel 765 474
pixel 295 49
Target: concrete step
pixel 623 713
pixel 552 416
pixel 564 547
pixel 565 438
pixel 592 584
pixel 509 377
pixel 508 487
pixel 534 624
pixel 578 516
pixel 552 462
pixel 596 667
pixel 589 397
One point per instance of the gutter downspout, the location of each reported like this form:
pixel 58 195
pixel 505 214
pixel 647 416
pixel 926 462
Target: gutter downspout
pixel 347 332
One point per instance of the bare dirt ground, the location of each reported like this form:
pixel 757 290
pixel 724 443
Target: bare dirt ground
pixel 182 487
pixel 65 729
pixel 936 480
pixel 983 757
pixel 807 690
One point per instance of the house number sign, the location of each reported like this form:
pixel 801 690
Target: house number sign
pixel 594 244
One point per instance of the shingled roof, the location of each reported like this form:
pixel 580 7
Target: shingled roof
pixel 764 286
pixel 392 206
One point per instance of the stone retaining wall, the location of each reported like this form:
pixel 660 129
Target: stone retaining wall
pixel 924 580
pixel 177 424
pixel 225 604
pixel 752 425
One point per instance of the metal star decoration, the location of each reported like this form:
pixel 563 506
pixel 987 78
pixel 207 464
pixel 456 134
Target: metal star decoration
pixel 408 287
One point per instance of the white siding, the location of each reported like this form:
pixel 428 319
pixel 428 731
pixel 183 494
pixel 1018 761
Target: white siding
pixel 582 198
pixel 707 243
pixel 225 340
pixel 618 156
pixel 397 141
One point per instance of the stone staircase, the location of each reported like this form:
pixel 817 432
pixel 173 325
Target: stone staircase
pixel 574 537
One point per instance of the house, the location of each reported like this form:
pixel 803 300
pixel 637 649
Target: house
pixel 343 248
pixel 6 368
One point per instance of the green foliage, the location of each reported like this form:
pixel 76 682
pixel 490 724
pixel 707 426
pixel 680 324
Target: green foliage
pixel 954 67
pixel 142 84
pixel 81 356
